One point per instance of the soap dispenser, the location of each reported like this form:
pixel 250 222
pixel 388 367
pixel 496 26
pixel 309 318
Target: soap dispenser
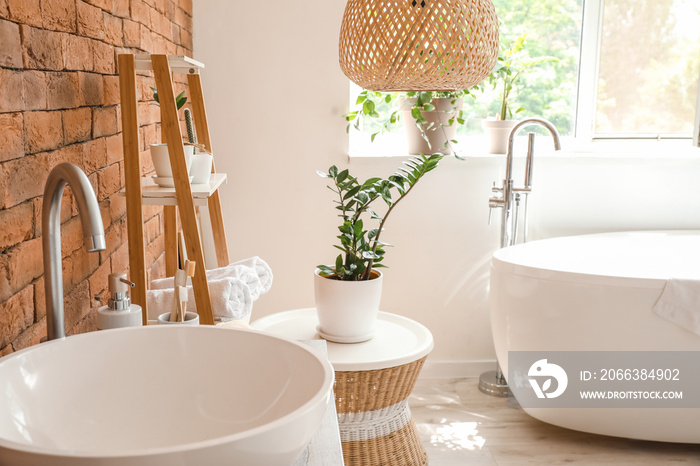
pixel 119 312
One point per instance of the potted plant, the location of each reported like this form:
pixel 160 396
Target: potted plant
pixel 349 291
pixel 507 73
pixel 159 152
pixel 433 114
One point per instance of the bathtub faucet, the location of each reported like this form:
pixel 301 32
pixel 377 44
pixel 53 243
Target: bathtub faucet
pixel 507 197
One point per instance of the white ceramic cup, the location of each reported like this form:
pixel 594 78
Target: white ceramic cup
pixel 201 168
pixel 161 159
pixel 191 318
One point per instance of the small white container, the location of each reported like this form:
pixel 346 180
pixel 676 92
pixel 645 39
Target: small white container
pixel 161 159
pixel 201 168
pixel 191 318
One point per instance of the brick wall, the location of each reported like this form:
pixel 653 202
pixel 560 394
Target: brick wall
pixel 59 102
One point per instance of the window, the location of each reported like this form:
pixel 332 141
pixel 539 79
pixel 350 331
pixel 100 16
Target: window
pixel 625 69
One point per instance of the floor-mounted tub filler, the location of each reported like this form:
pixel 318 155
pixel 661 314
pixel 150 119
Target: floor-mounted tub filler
pixel 597 293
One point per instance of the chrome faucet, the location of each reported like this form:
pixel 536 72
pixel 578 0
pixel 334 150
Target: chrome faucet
pixel 89 211
pixel 507 196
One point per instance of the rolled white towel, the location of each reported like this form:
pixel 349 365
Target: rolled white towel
pixel 680 303
pixel 230 299
pixel 253 271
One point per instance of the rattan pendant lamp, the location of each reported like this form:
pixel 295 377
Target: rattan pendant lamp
pixel 418 45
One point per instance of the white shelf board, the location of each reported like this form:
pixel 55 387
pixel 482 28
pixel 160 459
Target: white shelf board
pixel 178 63
pixel 153 194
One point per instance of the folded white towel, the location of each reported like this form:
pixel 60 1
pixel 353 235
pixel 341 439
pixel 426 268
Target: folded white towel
pixel 230 299
pixel 680 303
pixel 254 272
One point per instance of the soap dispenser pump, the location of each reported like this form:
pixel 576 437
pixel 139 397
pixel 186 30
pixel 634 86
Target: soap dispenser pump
pixel 119 312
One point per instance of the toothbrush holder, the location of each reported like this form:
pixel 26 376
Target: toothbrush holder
pixel 191 318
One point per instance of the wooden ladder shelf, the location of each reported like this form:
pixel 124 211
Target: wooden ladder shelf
pixel 163 67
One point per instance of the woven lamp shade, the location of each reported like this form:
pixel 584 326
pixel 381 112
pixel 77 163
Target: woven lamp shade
pixel 423 45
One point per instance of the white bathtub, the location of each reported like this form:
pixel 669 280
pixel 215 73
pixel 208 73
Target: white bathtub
pixel 596 292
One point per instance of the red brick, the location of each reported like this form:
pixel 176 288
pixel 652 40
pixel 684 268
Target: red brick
pixel 155 249
pixel 41 49
pixel 175 34
pixel 62 90
pixel 110 90
pixel 102 4
pixel 31 336
pixel 90 21
pixel 149 136
pixel 25 11
pixel 104 121
pixel 11 91
pixel 114 149
pixel 95 155
pixel 113 240
pixel 39 300
pixel 117 208
pixel 139 11
pixel 17 224
pixel 120 258
pixel 25 263
pixel 27 179
pixel 77 53
pixel 109 181
pixel 186 38
pixel 77 125
pixel 113 29
pixel 66 210
pixel 10 45
pixel 99 280
pixel 11 136
pixel 34 90
pixel 16 314
pixel 120 8
pixel 85 325
pixel 103 56
pixel 105 212
pixel 71 236
pixel 90 88
pixel 59 15
pixel 77 305
pixel 132 35
pixel 152 228
pixel 72 154
pixel 146 39
pixel 44 131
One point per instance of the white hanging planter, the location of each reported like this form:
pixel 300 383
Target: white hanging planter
pixel 347 310
pixel 497 132
pixel 438 131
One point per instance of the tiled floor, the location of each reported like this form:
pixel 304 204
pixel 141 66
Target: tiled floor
pixel 459 425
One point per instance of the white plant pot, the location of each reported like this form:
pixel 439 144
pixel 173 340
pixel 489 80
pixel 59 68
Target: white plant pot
pixel 436 131
pixel 347 310
pixel 497 132
pixel 161 159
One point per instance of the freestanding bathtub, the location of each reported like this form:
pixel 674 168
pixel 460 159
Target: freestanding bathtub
pixel 596 292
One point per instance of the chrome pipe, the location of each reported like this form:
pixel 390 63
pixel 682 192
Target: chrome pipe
pixel 93 230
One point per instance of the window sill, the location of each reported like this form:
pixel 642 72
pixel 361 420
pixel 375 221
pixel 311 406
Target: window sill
pixel 475 147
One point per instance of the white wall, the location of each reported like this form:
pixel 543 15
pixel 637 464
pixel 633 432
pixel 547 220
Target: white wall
pixel 275 98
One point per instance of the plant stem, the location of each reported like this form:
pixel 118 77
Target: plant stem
pixel 368 271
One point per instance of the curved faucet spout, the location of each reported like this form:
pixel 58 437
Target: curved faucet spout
pixel 529 122
pixel 89 211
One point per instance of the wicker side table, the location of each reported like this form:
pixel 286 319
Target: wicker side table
pixel 373 381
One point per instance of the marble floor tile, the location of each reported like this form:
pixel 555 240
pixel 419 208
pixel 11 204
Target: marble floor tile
pixel 459 425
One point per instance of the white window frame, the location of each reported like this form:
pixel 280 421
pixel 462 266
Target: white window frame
pixel 584 128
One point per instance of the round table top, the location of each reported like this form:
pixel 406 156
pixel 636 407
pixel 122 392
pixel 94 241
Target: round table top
pixel 397 340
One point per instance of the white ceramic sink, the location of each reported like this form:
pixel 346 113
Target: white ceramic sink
pixel 161 396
